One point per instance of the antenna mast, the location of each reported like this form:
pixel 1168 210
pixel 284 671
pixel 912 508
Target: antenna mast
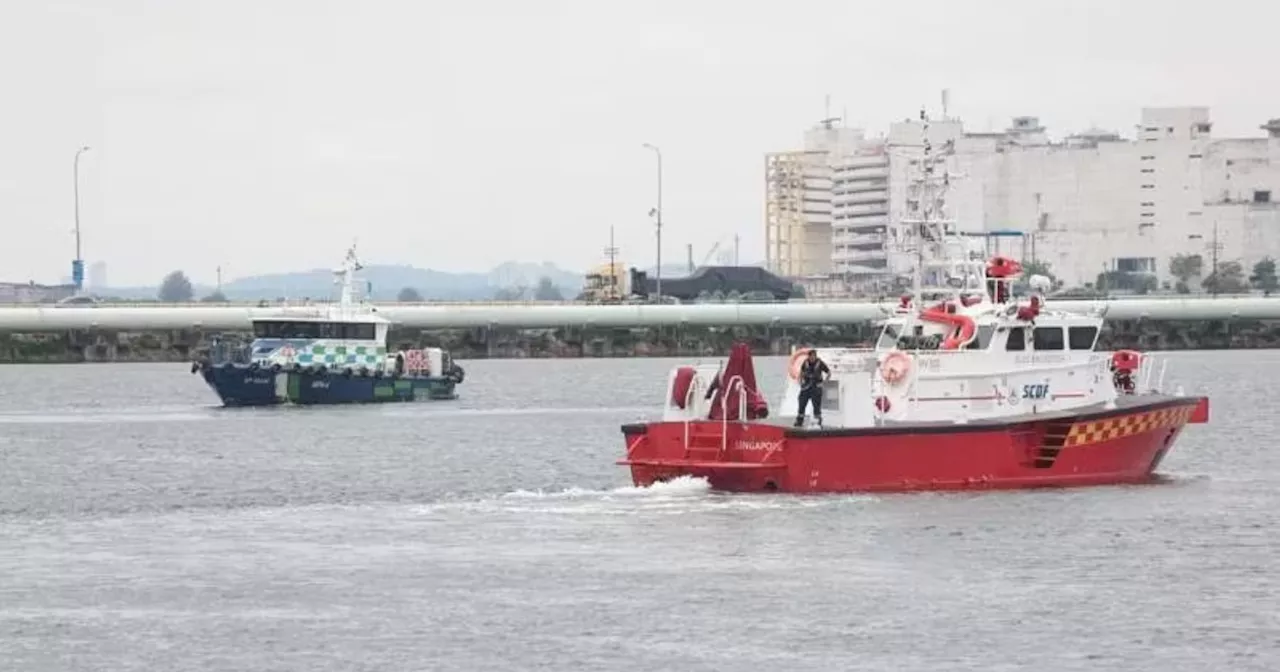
pixel 346 276
pixel 926 220
pixel 1214 273
pixel 828 121
pixel 612 252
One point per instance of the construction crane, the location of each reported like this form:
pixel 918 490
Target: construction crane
pixel 726 258
pixel 711 252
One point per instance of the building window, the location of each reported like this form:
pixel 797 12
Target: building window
pixel 1148 158
pixel 1147 204
pixel 1261 195
pixel 1136 264
pixel 1148 186
pixel 1148 170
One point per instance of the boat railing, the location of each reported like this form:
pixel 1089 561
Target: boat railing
pixel 224 352
pixel 691 397
pixel 1157 364
pixel 724 409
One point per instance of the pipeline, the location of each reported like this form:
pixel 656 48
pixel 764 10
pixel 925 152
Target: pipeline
pixel 60 318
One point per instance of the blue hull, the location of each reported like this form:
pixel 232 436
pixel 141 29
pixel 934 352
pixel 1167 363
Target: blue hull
pixel 238 385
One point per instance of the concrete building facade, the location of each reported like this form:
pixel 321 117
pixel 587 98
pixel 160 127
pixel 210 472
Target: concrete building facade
pixel 1091 203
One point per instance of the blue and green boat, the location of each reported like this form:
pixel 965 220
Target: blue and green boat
pixel 333 354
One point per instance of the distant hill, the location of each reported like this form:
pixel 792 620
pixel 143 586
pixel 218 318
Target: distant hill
pixel 386 282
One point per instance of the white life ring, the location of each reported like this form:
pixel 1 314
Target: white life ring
pixel 895 367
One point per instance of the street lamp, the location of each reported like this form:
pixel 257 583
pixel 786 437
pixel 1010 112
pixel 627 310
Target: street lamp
pixel 657 214
pixel 77 265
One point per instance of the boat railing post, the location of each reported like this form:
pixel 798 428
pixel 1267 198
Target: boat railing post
pixel 690 398
pixel 877 391
pixel 1164 367
pixel 689 415
pixel 1146 374
pixel 724 410
pixel 913 390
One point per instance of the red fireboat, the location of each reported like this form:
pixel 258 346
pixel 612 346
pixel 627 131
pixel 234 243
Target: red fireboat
pixel 966 388
pixel 1053 442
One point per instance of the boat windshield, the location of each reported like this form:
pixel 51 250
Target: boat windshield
pixel 313 330
pixel 888 337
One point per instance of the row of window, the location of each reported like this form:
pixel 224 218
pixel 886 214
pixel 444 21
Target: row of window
pixel 1051 338
pixel 334 330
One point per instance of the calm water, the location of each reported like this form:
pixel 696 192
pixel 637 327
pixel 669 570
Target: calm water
pixel 143 528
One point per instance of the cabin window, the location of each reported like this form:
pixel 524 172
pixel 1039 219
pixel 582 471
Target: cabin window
pixel 302 329
pixel 1047 338
pixel 313 330
pixel 358 332
pixel 985 332
pixel 1017 339
pixel 888 337
pixel 1082 338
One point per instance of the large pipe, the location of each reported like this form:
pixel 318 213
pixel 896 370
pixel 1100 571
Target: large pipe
pixel 50 319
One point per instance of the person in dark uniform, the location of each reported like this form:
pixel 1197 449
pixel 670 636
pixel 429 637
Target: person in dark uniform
pixel 813 372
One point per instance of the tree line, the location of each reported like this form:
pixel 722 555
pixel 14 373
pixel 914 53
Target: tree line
pixel 177 288
pixel 1189 273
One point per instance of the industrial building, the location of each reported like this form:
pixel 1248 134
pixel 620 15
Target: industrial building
pixel 30 292
pixel 1090 203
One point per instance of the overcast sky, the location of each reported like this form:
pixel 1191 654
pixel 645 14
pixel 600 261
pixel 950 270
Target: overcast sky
pixel 264 135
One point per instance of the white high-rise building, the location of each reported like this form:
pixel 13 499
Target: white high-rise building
pixel 1090 204
pixel 98 275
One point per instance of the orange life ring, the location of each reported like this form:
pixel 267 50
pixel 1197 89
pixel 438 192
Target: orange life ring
pixel 797 359
pixel 895 367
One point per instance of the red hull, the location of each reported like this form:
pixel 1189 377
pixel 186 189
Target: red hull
pixel 1094 447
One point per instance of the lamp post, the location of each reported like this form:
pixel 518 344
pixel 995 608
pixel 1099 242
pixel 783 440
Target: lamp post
pixel 657 214
pixel 77 265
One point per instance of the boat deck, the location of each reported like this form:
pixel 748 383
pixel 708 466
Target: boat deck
pixel 1124 405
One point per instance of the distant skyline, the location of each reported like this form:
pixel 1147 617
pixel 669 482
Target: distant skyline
pixel 264 136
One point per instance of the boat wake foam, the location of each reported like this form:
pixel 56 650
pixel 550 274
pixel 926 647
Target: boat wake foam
pixel 439 410
pixel 185 414
pixel 678 496
pixel 684 486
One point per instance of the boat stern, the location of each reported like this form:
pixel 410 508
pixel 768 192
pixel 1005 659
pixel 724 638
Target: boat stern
pixel 732 456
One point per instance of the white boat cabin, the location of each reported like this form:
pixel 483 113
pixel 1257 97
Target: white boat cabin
pixel 969 351
pixel 319 341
